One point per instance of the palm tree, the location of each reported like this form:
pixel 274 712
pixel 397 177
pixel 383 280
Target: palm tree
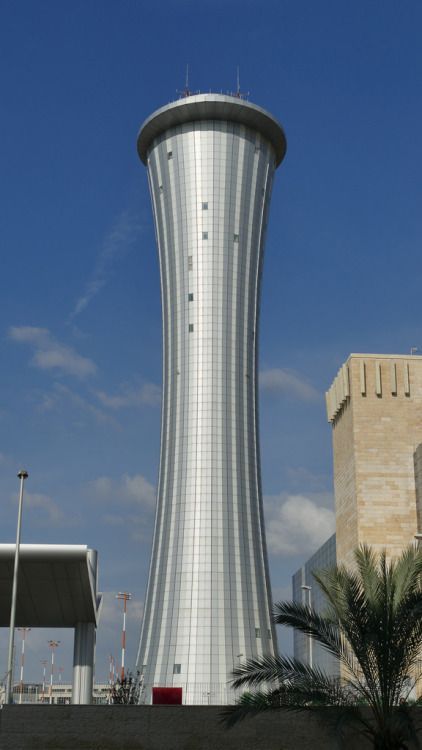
pixel 373 625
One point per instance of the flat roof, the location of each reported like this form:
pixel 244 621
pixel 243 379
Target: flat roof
pixel 212 107
pixel 57 585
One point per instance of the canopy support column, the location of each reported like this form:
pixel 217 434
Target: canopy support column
pixel 83 663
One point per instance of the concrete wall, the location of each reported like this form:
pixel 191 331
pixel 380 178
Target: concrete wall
pixel 160 728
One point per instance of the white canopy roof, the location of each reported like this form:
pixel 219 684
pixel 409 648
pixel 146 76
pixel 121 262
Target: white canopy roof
pixel 57 585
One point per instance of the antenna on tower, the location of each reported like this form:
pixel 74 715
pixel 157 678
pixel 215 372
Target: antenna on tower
pixel 238 93
pixel 186 91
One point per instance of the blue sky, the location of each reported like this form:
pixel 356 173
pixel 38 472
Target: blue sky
pixel 80 330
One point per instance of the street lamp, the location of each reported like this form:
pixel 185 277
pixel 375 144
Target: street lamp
pixel 53 645
pixel 24 631
pixel 22 474
pixel 308 595
pixel 44 662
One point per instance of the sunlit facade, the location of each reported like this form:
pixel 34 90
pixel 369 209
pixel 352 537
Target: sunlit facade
pixel 211 161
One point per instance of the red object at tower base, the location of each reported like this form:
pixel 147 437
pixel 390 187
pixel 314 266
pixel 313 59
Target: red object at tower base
pixel 167 696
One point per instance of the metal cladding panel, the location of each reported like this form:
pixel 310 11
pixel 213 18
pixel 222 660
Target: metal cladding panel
pixel 208 603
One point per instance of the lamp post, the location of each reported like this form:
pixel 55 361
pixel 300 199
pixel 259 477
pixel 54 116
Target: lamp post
pixel 308 595
pixel 24 631
pixel 22 474
pixel 53 645
pixel 44 662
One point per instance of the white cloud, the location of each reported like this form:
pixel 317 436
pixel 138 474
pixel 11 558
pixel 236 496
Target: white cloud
pixel 127 502
pixel 115 245
pixel 134 490
pixel 288 383
pixel 44 511
pixel 50 354
pixel 295 525
pixel 61 393
pixel 147 394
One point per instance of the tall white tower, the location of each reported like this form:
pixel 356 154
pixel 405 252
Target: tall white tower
pixel 211 160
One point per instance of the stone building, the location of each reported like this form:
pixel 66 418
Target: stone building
pixel 375 408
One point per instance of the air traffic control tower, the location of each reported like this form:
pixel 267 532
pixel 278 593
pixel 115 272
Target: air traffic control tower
pixel 211 161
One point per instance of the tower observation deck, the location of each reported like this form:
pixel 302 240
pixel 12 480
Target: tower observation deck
pixel 211 160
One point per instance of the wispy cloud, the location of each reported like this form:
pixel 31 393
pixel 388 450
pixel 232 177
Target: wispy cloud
pixel 134 497
pixel 44 511
pixel 60 393
pixel 50 354
pixel 289 383
pixel 147 394
pixel 135 490
pixel 295 525
pixel 116 244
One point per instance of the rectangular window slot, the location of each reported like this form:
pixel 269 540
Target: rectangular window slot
pixel 205 206
pixel 362 378
pixel 190 262
pixel 190 297
pixel 169 154
pixel 190 327
pixel 160 187
pixel 204 235
pixel 378 381
pixel 393 374
pixel 257 632
pixel 177 669
pixel 406 379
pixel 235 238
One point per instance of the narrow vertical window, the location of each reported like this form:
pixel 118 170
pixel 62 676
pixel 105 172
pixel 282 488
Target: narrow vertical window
pixel 177 669
pixel 190 263
pixel 169 154
pixel 257 632
pixel 190 297
pixel 235 238
pixel 204 235
pixel 190 327
pixel 205 206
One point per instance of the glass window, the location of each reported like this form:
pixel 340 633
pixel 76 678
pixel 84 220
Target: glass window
pixel 257 633
pixel 236 238
pixel 190 263
pixel 205 206
pixel 190 296
pixel 190 327
pixel 204 235
pixel 169 154
pixel 177 669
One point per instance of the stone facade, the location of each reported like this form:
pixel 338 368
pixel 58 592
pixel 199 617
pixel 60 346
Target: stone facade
pixel 375 407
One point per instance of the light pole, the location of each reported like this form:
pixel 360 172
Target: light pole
pixel 53 645
pixel 44 662
pixel 24 631
pixel 125 597
pixel 22 474
pixel 308 595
